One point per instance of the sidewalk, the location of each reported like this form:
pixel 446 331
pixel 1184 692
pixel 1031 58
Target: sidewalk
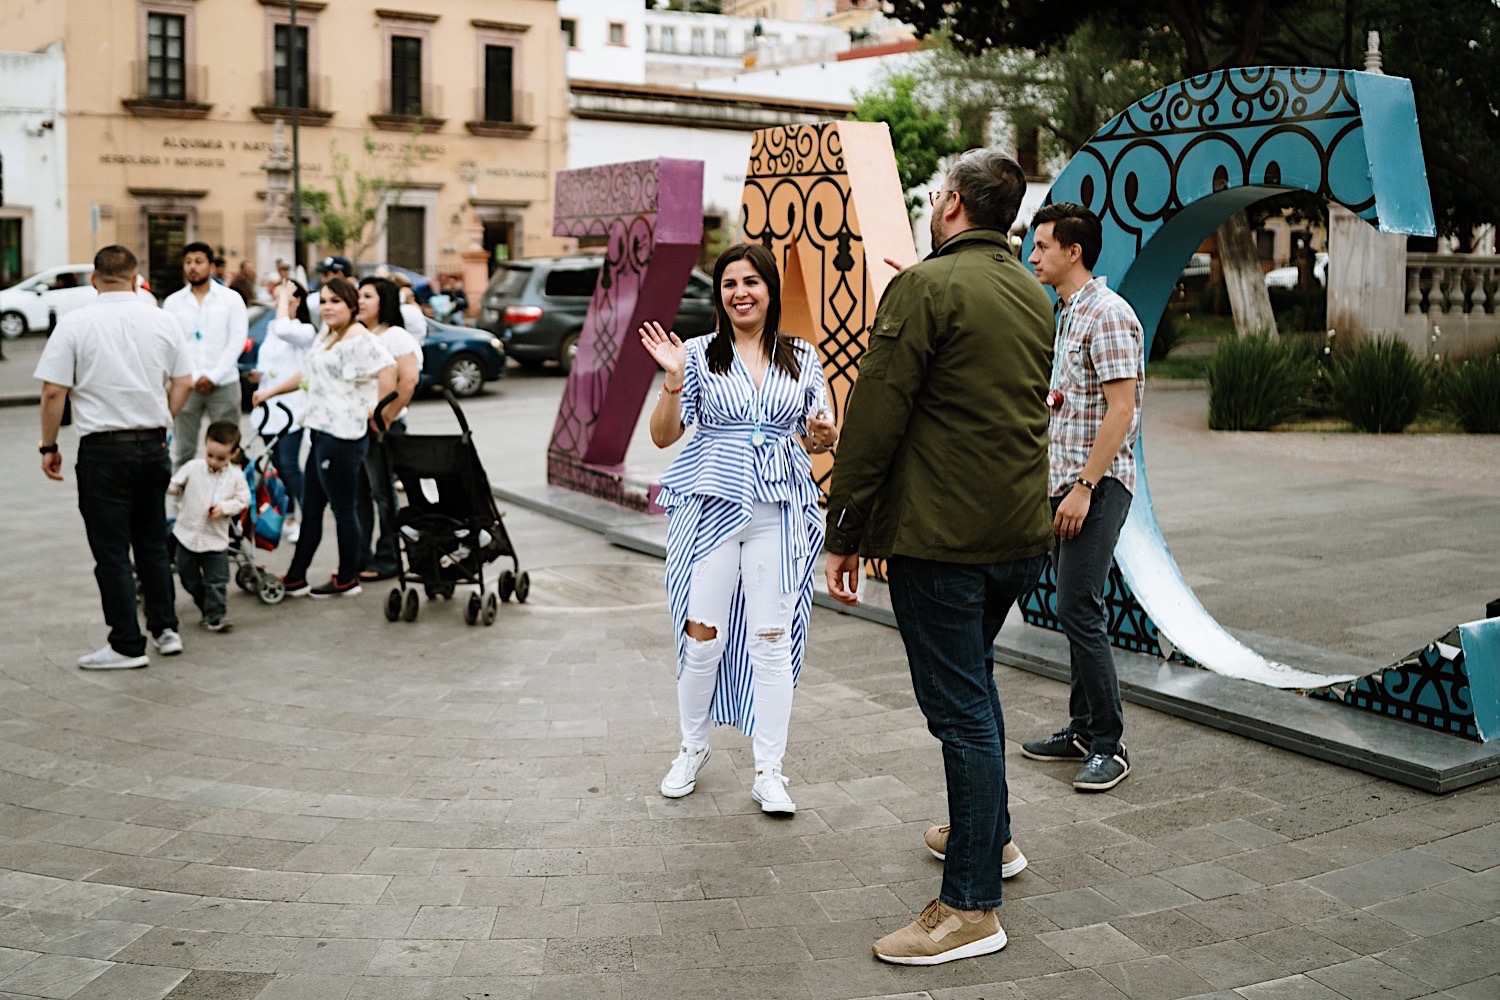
pixel 321 804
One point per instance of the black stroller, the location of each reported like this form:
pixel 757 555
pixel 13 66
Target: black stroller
pixel 450 527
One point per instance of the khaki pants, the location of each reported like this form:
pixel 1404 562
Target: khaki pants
pixel 222 403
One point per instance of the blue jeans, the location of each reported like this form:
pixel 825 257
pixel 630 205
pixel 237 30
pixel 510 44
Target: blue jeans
pixel 949 615
pixel 205 576
pixel 122 489
pixel 378 505
pixel 1082 564
pixel 287 455
pixel 334 466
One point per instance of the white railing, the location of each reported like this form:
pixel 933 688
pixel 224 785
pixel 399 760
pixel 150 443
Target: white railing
pixel 1452 303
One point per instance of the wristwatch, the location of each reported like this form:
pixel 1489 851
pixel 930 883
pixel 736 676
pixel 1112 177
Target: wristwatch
pixel 46 449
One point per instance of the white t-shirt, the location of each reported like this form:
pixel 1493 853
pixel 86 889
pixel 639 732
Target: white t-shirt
pixel 399 342
pixel 281 354
pixel 117 355
pixel 414 320
pixel 215 330
pixel 341 381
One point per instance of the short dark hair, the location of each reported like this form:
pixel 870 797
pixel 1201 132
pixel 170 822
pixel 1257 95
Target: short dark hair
pixel 198 246
pixel 390 300
pixel 1073 225
pixel 990 185
pixel 115 263
pixel 224 432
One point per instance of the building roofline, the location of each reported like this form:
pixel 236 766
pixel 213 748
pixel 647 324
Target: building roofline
pixel 687 95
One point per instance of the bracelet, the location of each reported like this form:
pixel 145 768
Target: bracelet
pixel 47 449
pixel 669 390
pixel 1080 481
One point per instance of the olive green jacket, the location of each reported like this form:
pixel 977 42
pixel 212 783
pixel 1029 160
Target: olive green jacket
pixel 943 453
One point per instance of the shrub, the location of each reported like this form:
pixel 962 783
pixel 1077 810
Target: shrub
pixel 1379 386
pixel 1473 393
pixel 1255 383
pixel 1315 351
pixel 1300 310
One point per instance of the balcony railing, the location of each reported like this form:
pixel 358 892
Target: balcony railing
pixel 175 90
pixel 275 102
pixel 506 114
pixel 424 113
pixel 1452 303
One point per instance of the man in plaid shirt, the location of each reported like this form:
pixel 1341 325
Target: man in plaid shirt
pixel 1098 373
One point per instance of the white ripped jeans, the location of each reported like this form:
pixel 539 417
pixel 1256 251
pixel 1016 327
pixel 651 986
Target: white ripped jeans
pixel 752 554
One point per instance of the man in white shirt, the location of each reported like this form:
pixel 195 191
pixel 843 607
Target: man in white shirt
pixel 128 371
pixel 215 323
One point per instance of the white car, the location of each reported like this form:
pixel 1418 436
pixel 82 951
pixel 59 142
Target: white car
pixel 1286 277
pixel 35 303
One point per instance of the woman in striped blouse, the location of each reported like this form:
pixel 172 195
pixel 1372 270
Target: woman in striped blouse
pixel 743 521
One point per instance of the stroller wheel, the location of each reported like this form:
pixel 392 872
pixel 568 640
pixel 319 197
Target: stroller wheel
pixel 491 607
pixel 393 605
pixel 411 607
pixel 272 590
pixel 471 610
pixel 244 578
pixel 523 586
pixel 506 584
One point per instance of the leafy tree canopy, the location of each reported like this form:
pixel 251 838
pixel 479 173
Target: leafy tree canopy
pixel 920 136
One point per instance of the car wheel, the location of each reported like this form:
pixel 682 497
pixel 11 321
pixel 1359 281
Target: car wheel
pixel 464 376
pixel 12 325
pixel 567 352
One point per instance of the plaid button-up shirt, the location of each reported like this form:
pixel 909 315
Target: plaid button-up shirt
pixel 1099 339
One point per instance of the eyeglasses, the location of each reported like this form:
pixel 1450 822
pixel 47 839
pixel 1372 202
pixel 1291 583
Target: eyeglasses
pixel 933 197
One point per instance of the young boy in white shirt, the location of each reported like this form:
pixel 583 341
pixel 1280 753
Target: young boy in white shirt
pixel 214 492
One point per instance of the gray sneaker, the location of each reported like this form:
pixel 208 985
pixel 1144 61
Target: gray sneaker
pixel 167 642
pixel 1102 771
pixel 1061 745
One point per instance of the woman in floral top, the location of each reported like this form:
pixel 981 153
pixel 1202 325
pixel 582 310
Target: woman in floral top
pixel 346 373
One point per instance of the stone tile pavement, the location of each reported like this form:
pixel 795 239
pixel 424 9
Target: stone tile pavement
pixel 320 804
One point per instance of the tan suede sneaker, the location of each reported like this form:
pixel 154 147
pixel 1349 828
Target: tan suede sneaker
pixel 941 934
pixel 1012 861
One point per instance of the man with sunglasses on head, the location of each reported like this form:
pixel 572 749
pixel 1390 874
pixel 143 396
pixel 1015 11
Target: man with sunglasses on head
pixel 215 322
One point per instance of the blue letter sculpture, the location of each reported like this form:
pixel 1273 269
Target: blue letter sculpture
pixel 1162 176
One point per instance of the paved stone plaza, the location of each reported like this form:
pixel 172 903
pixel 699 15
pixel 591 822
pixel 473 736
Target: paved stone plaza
pixel 320 804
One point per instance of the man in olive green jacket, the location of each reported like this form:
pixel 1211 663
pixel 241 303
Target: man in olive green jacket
pixel 942 471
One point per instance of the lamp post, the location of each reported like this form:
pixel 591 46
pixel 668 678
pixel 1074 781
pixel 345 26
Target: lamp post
pixel 295 87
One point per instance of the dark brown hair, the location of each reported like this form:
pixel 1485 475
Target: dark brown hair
pixel 115 263
pixel 1072 224
pixel 224 432
pixel 780 347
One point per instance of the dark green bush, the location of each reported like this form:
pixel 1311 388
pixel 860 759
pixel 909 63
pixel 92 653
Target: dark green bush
pixel 1255 383
pixel 1315 351
pixel 1473 393
pixel 1379 385
pixel 1300 310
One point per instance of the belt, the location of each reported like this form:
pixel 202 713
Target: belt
pixel 109 437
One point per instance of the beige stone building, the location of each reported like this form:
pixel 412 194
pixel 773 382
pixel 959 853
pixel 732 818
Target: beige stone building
pixel 172 106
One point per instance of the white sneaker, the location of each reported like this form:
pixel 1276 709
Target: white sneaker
pixel 108 659
pixel 169 643
pixel 770 791
pixel 292 532
pixel 683 777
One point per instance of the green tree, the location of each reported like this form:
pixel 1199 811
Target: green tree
pixel 920 136
pixel 350 216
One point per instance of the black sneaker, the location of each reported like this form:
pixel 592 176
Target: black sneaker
pixel 296 588
pixel 1061 745
pixel 1102 771
pixel 337 588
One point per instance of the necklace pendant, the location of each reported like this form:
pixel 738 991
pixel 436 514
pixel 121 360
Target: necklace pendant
pixel 757 437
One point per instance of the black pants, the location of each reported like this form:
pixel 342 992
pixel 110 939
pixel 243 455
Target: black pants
pixel 122 488
pixel 334 466
pixel 378 505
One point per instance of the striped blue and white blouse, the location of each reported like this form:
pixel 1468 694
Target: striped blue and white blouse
pixel 711 488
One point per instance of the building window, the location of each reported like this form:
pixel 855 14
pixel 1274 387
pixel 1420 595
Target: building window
pixel 570 32
pixel 406 76
pixel 499 83
pixel 166 57
pixel 617 32
pixel 697 41
pixel 282 96
pixel 721 43
pixel 668 39
pixel 406 237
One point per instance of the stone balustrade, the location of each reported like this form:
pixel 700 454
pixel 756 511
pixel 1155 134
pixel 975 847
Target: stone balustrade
pixel 1452 303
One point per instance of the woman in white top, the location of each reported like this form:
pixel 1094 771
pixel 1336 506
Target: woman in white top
pixel 346 373
pixel 380 311
pixel 288 338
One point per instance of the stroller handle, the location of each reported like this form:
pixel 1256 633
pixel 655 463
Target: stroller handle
pixel 387 400
pixel 463 424
pixel 265 415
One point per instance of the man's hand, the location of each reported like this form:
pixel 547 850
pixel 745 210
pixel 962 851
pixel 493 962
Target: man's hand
pixel 843 578
pixel 1068 521
pixel 52 465
pixel 204 385
pixel 214 511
